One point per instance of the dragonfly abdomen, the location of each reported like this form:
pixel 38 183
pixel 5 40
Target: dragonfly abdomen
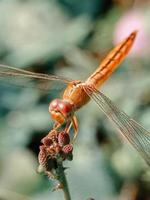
pixel 111 62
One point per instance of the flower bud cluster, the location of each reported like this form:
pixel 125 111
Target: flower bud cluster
pixel 55 145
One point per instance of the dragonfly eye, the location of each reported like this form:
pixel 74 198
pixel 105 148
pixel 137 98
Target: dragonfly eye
pixel 60 110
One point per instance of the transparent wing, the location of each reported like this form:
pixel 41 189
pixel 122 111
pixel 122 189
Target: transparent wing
pixel 26 78
pixel 131 130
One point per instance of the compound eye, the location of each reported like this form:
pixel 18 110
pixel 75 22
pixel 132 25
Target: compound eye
pixel 53 105
pixel 65 107
pixel 60 108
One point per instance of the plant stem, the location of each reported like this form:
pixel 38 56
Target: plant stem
pixel 63 181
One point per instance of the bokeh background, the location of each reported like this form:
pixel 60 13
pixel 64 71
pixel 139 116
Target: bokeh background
pixel 70 38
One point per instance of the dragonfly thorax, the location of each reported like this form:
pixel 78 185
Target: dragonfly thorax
pixel 60 110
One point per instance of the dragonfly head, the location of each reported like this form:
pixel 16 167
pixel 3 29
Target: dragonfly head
pixel 60 110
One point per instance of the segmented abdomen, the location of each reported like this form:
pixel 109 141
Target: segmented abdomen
pixel 111 62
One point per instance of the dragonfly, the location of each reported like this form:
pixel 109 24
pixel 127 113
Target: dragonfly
pixel 79 93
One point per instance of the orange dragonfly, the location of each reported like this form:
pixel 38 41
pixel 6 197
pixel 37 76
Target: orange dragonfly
pixel 78 93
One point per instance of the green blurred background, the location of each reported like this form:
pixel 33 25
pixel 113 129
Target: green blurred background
pixel 70 38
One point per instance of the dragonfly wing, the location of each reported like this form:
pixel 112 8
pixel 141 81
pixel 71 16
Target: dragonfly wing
pixel 130 129
pixel 26 78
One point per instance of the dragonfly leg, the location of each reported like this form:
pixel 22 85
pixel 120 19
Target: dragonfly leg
pixel 68 126
pixel 56 126
pixel 73 122
pixel 75 126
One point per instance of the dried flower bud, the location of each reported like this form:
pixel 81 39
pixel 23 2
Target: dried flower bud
pixel 63 138
pixel 42 157
pixel 57 148
pixel 67 149
pixel 51 151
pixel 53 134
pixel 47 141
